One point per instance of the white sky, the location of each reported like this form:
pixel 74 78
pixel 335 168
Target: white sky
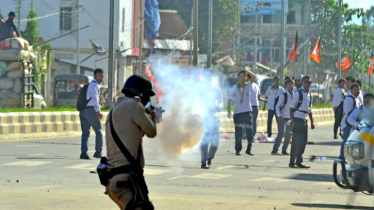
pixel 366 4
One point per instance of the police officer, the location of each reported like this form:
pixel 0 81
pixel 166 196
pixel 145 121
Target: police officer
pixel 300 108
pixel 131 122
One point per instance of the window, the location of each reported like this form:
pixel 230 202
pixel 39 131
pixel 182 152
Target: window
pixel 291 17
pixel 123 19
pixel 65 18
pixel 266 19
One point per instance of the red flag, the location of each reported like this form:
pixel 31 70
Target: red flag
pixel 346 68
pixel 344 62
pixel 371 65
pixel 294 48
pixel 316 53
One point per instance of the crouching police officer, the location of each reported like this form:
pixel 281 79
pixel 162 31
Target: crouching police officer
pixel 130 122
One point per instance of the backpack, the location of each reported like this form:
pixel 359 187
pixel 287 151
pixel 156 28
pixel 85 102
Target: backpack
pixel 354 105
pixel 81 98
pixel 285 101
pixel 301 101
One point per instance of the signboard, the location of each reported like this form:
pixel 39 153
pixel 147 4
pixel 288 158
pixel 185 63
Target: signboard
pixel 265 7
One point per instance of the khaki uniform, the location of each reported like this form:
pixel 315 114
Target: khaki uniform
pixel 131 123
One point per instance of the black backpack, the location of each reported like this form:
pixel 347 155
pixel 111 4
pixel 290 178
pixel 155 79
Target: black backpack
pixel 81 98
pixel 354 105
pixel 285 101
pixel 301 101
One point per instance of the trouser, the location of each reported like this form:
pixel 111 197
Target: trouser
pixel 121 196
pixel 299 140
pixel 271 114
pixel 211 137
pixel 338 118
pixel 346 132
pixel 283 125
pixel 254 121
pixel 88 118
pixel 243 122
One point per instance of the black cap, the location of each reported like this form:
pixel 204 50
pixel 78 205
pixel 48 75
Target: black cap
pixel 12 14
pixel 138 85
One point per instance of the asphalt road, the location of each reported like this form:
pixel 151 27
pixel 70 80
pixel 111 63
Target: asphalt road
pixel 48 174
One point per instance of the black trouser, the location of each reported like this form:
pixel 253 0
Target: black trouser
pixel 254 120
pixel 243 121
pixel 271 114
pixel 338 118
pixel 299 140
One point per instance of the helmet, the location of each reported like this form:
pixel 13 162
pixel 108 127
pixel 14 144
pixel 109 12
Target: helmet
pixel 138 85
pixel 298 77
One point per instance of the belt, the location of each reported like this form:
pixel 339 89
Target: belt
pixel 90 107
pixel 126 169
pixel 304 120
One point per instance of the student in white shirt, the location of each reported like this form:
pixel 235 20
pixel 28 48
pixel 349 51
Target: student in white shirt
pixel 361 95
pixel 240 96
pixel 282 109
pixel 355 117
pixel 350 103
pixel 337 105
pixel 271 94
pixel 91 115
pixel 300 109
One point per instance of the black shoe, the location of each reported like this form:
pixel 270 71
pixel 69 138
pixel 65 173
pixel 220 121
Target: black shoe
pixel 97 155
pixel 285 153
pixel 335 137
pixel 84 156
pixel 276 153
pixel 249 153
pixel 209 162
pixel 238 153
pixel 292 165
pixel 205 166
pixel 301 165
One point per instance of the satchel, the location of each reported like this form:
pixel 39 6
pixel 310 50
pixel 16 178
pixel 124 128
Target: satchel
pixel 139 187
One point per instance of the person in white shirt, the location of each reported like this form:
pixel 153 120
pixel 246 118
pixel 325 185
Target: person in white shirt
pixel 91 116
pixel 361 95
pixel 337 105
pixel 300 109
pixel 271 94
pixel 355 117
pixel 298 82
pixel 350 103
pixel 240 96
pixel 282 109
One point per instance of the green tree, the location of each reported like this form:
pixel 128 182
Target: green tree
pixel 31 33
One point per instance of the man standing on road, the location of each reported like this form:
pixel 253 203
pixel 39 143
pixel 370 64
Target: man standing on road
pixel 300 108
pixel 350 103
pixel 337 105
pixel 271 94
pixel 282 109
pixel 130 122
pixel 355 117
pixel 255 98
pixel 8 29
pixel 91 116
pixel 240 96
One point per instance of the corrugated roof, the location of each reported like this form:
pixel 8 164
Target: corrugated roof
pixel 172 26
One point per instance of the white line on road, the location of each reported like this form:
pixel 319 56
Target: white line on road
pixel 36 155
pixel 85 166
pixel 269 179
pixel 150 171
pixel 203 176
pixel 46 187
pixel 225 167
pixel 269 160
pixel 27 163
pixel 26 145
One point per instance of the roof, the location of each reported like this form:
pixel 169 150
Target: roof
pixel 172 26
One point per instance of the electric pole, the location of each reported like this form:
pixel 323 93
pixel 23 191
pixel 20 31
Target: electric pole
pixel 340 39
pixel 307 32
pixel 256 34
pixel 196 31
pixel 282 44
pixel 210 22
pixel 19 15
pixel 139 71
pixel 110 58
pixel 78 47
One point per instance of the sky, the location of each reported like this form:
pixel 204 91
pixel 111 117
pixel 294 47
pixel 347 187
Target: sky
pixel 366 4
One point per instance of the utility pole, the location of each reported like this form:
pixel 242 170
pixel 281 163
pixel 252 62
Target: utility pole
pixel 256 33
pixel 19 15
pixel 196 31
pixel 110 58
pixel 282 43
pixel 139 71
pixel 210 22
pixel 191 37
pixel 340 39
pixel 271 44
pixel 307 34
pixel 78 47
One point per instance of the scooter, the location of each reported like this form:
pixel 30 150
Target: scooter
pixel 357 171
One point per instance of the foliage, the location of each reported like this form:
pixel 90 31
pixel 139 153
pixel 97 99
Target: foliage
pixel 31 33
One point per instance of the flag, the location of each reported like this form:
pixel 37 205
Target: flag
pixel 344 62
pixel 316 53
pixel 294 48
pixel 346 68
pixel 371 65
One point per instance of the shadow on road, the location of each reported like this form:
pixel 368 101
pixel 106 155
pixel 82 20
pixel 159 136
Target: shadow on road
pixel 329 143
pixel 312 177
pixel 329 206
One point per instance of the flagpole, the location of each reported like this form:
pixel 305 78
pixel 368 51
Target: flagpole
pixel 340 39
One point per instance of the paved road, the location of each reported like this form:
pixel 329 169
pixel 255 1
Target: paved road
pixel 47 174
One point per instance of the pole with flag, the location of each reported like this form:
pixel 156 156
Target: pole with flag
pixel 294 51
pixel 371 66
pixel 316 53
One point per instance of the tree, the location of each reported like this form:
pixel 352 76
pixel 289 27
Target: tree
pixel 31 33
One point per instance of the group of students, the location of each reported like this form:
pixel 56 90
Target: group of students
pixel 348 108
pixel 292 107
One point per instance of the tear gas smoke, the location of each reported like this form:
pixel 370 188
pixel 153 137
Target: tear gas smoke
pixel 187 101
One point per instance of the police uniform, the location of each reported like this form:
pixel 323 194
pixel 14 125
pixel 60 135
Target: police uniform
pixel 300 129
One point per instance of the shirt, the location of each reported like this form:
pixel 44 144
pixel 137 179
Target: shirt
pixel 272 94
pixel 285 112
pixel 348 105
pixel 255 92
pixel 8 28
pixel 93 92
pixel 353 117
pixel 238 94
pixel 338 97
pixel 304 105
pixel 360 97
